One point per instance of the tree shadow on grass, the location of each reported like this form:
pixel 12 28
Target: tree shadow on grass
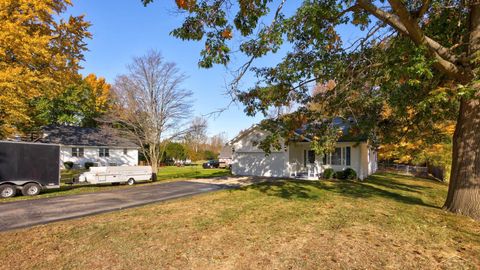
pixel 396 185
pixel 285 189
pixel 312 190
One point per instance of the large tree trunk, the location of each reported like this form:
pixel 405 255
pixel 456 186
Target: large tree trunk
pixel 154 172
pixel 464 188
pixel 154 161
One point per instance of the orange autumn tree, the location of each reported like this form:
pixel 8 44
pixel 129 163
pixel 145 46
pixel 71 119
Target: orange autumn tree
pixel 409 141
pixel 418 151
pixel 100 96
pixel 39 56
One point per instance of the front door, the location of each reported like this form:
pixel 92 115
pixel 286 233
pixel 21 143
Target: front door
pixel 311 156
pixel 308 157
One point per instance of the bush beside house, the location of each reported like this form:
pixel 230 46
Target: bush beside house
pixel 347 174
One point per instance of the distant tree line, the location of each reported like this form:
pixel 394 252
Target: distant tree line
pixel 207 149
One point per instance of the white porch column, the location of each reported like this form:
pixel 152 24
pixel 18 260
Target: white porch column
pixel 288 166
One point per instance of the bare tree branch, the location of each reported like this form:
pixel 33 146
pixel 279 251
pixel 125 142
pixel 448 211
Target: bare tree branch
pixel 152 104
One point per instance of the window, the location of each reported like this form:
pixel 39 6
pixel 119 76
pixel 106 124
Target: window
pixel 348 154
pixel 125 151
pixel 337 156
pixel 103 152
pixel 77 152
pixel 341 156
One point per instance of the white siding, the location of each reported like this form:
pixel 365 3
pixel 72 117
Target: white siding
pixel 250 160
pixel 368 161
pixel 256 163
pixel 91 154
pixel 372 161
pixel 246 143
pixel 296 157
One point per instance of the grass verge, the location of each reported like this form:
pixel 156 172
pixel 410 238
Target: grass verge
pixel 387 222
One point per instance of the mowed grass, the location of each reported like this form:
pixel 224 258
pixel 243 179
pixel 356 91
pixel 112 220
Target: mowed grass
pixel 189 172
pixel 165 174
pixel 387 222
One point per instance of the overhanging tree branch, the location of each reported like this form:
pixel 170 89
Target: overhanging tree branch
pixel 422 9
pixel 403 23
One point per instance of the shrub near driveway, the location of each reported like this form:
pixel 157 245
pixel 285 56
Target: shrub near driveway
pixel 385 222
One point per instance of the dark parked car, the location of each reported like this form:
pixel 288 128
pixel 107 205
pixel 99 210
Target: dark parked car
pixel 211 164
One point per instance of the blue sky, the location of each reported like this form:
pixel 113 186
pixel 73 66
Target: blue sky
pixel 124 29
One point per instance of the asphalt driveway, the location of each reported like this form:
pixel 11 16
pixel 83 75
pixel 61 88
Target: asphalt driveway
pixel 20 214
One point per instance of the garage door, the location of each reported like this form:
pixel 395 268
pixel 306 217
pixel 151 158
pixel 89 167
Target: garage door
pixel 259 165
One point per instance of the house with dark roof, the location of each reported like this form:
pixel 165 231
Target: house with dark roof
pixel 297 159
pixel 102 146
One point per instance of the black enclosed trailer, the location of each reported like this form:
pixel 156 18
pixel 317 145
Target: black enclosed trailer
pixel 28 167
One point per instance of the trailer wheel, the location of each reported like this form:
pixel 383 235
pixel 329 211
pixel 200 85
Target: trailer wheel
pixel 131 182
pixel 7 191
pixel 31 189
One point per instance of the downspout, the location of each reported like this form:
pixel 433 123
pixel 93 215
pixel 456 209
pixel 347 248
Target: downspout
pixel 360 160
pixel 287 160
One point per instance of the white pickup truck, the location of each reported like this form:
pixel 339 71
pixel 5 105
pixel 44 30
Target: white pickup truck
pixel 116 174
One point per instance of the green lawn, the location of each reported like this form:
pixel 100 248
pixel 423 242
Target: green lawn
pixel 165 174
pixel 189 172
pixel 387 222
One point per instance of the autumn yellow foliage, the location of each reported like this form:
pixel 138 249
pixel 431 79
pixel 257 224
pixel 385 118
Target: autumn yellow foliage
pixel 100 92
pixel 39 56
pixel 419 151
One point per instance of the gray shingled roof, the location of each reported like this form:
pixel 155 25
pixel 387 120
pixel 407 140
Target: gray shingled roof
pixel 70 135
pixel 337 122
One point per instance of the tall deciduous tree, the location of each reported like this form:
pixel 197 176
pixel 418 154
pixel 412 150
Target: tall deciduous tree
pixel 152 104
pixel 39 56
pixel 409 50
pixel 80 104
pixel 175 150
pixel 197 133
pixel 99 99
pixel 217 142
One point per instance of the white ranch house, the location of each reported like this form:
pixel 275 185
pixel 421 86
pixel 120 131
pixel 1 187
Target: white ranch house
pixel 104 147
pixel 296 159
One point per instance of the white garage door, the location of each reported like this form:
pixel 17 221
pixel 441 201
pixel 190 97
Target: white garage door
pixel 259 165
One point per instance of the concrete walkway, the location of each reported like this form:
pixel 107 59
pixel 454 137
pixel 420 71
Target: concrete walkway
pixel 14 215
pixel 233 181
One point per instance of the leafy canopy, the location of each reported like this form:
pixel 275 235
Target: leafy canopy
pixel 175 150
pixel 82 103
pixel 401 80
pixel 39 56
